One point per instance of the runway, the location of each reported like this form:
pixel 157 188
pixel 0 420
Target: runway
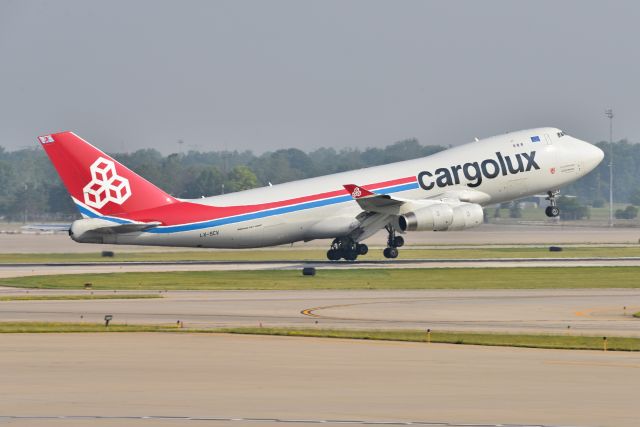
pixel 550 233
pixel 31 269
pixel 578 311
pixel 210 379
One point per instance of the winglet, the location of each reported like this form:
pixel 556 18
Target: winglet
pixel 358 192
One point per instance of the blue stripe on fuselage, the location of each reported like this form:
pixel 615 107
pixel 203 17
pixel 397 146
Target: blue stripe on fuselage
pixel 254 215
pixel 84 211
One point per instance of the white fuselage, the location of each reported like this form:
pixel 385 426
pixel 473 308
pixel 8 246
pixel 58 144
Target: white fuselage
pixel 558 160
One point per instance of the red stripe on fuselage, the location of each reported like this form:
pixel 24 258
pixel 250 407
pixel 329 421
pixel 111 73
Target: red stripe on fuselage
pixel 190 212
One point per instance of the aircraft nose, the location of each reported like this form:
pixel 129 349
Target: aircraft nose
pixel 592 155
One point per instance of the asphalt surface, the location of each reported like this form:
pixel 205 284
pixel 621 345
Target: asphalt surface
pixel 579 311
pixel 209 379
pixel 28 269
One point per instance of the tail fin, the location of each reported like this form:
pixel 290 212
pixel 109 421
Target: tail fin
pixel 96 182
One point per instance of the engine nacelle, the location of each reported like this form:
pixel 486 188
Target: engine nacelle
pixel 466 215
pixel 441 217
pixel 437 217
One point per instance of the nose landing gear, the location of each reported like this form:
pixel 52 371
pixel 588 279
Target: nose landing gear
pixel 552 211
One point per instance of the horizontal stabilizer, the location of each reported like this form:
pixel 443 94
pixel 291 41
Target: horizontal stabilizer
pixel 128 228
pixel 97 226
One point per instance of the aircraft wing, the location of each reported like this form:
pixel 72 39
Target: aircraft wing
pixel 383 203
pixel 382 209
pixel 378 209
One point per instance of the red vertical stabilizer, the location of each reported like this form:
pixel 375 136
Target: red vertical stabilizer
pixel 98 182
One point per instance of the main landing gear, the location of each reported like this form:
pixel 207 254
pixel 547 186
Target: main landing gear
pixel 393 243
pixel 347 248
pixel 552 211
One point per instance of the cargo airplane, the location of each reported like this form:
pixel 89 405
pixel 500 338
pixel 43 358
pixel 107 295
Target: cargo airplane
pixel 442 192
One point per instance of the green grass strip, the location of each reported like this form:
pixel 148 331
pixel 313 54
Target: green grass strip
pixel 59 327
pixel 569 342
pixel 320 254
pixel 75 297
pixel 422 278
pixel 637 314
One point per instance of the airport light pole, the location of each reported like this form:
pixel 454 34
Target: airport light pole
pixel 609 113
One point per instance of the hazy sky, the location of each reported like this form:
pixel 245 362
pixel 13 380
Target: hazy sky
pixel 263 75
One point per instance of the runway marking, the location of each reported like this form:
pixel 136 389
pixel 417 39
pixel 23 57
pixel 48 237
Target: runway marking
pixel 614 313
pixel 311 313
pixel 264 420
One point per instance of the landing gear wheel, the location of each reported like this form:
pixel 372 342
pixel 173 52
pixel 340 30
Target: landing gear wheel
pixel 390 253
pixel 333 254
pixel 398 242
pixel 552 211
pixel 347 248
pixel 393 242
pixel 350 255
pixel 362 249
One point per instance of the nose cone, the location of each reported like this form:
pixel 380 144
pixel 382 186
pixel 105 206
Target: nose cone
pixel 587 154
pixel 591 156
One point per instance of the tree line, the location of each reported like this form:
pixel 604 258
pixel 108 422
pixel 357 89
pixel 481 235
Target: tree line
pixel 30 189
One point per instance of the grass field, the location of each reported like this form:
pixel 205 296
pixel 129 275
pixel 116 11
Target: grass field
pixel 75 297
pixel 57 327
pixel 489 339
pixel 320 254
pixel 436 278
pixel 507 340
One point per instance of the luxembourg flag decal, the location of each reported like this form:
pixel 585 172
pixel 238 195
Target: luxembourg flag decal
pixel 45 139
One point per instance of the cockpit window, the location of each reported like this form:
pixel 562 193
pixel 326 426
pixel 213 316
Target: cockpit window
pixel 561 134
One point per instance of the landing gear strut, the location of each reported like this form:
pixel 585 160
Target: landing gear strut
pixel 552 210
pixel 393 243
pixel 347 248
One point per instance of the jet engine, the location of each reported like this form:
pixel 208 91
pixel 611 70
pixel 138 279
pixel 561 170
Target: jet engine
pixel 466 215
pixel 437 217
pixel 441 217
